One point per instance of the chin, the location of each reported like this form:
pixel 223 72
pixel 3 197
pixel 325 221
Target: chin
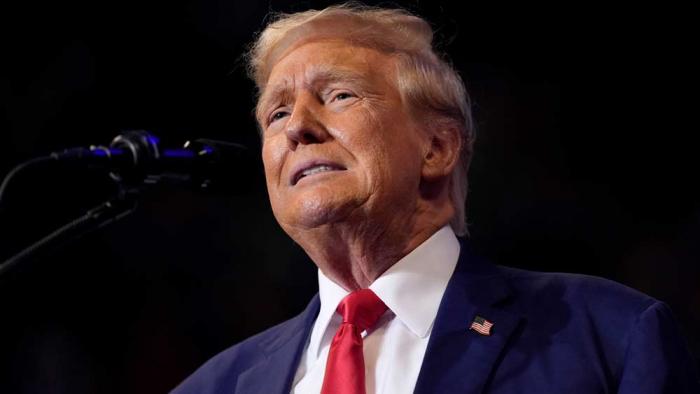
pixel 310 213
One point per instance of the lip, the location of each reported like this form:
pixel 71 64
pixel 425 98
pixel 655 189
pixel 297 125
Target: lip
pixel 300 168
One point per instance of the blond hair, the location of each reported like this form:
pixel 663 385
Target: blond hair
pixel 426 81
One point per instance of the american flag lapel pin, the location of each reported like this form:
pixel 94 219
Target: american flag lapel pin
pixel 481 325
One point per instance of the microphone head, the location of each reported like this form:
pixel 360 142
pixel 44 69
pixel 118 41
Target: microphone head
pixel 136 157
pixel 138 151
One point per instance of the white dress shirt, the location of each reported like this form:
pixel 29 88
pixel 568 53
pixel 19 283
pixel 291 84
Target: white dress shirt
pixel 393 349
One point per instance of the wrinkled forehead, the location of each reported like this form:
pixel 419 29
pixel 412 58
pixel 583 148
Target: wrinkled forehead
pixel 314 74
pixel 325 59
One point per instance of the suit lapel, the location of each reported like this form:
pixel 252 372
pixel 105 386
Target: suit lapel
pixel 459 359
pixel 282 354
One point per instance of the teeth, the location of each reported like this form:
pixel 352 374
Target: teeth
pixel 317 169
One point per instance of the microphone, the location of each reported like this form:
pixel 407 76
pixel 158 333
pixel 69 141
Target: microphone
pixel 133 158
pixel 137 156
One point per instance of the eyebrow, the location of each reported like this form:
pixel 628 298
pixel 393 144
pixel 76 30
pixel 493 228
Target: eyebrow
pixel 320 76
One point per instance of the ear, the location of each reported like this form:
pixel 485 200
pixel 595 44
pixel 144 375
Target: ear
pixel 442 153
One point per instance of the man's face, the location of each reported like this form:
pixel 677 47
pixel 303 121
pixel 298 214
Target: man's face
pixel 338 142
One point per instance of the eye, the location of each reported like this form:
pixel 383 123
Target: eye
pixel 277 115
pixel 342 96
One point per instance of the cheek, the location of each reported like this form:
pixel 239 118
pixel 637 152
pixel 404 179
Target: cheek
pixel 272 155
pixel 373 160
pixel 380 170
pixel 394 163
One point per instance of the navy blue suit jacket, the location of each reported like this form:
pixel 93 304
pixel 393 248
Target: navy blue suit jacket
pixel 552 333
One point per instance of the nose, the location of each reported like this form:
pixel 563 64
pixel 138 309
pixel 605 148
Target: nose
pixel 304 126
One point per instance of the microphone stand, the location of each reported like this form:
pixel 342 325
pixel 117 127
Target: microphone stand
pixel 110 211
pixel 133 154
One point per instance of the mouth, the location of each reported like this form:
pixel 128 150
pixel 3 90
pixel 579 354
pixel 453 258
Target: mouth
pixel 310 169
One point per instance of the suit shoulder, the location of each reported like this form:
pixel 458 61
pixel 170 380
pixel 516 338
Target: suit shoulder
pixel 613 336
pixel 586 292
pixel 220 373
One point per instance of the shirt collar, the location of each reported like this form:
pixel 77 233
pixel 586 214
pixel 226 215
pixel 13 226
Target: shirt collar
pixel 412 288
pixel 330 294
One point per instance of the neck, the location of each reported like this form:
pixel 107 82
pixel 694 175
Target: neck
pixel 354 253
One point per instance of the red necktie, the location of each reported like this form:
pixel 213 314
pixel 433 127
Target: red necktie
pixel 345 368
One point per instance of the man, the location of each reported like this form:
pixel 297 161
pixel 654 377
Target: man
pixel 367 137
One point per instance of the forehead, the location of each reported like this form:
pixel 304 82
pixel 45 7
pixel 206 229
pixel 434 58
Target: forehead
pixel 328 61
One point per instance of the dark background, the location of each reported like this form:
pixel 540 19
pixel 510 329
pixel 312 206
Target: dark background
pixel 585 163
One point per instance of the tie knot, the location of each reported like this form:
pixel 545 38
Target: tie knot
pixel 361 308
